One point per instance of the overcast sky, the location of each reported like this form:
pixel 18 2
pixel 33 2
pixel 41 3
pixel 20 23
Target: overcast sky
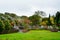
pixel 28 7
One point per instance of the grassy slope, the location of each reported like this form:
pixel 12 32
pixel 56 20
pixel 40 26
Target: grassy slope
pixel 32 35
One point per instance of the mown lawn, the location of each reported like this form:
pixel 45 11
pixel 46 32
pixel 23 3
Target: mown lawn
pixel 32 35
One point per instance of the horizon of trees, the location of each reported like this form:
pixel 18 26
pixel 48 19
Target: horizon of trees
pixel 8 20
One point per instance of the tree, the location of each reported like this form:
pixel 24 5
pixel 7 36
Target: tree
pixel 49 21
pixel 58 19
pixel 1 14
pixel 7 25
pixel 44 21
pixel 40 13
pixel 2 26
pixel 24 17
pixel 13 15
pixel 25 22
pixel 35 19
pixel 7 13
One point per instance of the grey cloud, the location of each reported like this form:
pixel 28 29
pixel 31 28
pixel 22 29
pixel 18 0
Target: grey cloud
pixel 27 7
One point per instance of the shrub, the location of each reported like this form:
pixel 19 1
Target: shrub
pixel 54 29
pixel 7 25
pixel 2 26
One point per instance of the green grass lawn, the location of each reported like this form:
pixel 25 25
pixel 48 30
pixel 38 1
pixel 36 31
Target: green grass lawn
pixel 32 35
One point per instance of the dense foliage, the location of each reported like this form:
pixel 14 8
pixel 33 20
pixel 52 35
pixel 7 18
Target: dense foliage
pixel 10 21
pixel 2 26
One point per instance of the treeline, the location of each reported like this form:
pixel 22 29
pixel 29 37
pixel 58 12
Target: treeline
pixel 10 21
pixel 7 21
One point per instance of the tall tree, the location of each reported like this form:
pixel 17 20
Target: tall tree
pixel 49 21
pixel 58 19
